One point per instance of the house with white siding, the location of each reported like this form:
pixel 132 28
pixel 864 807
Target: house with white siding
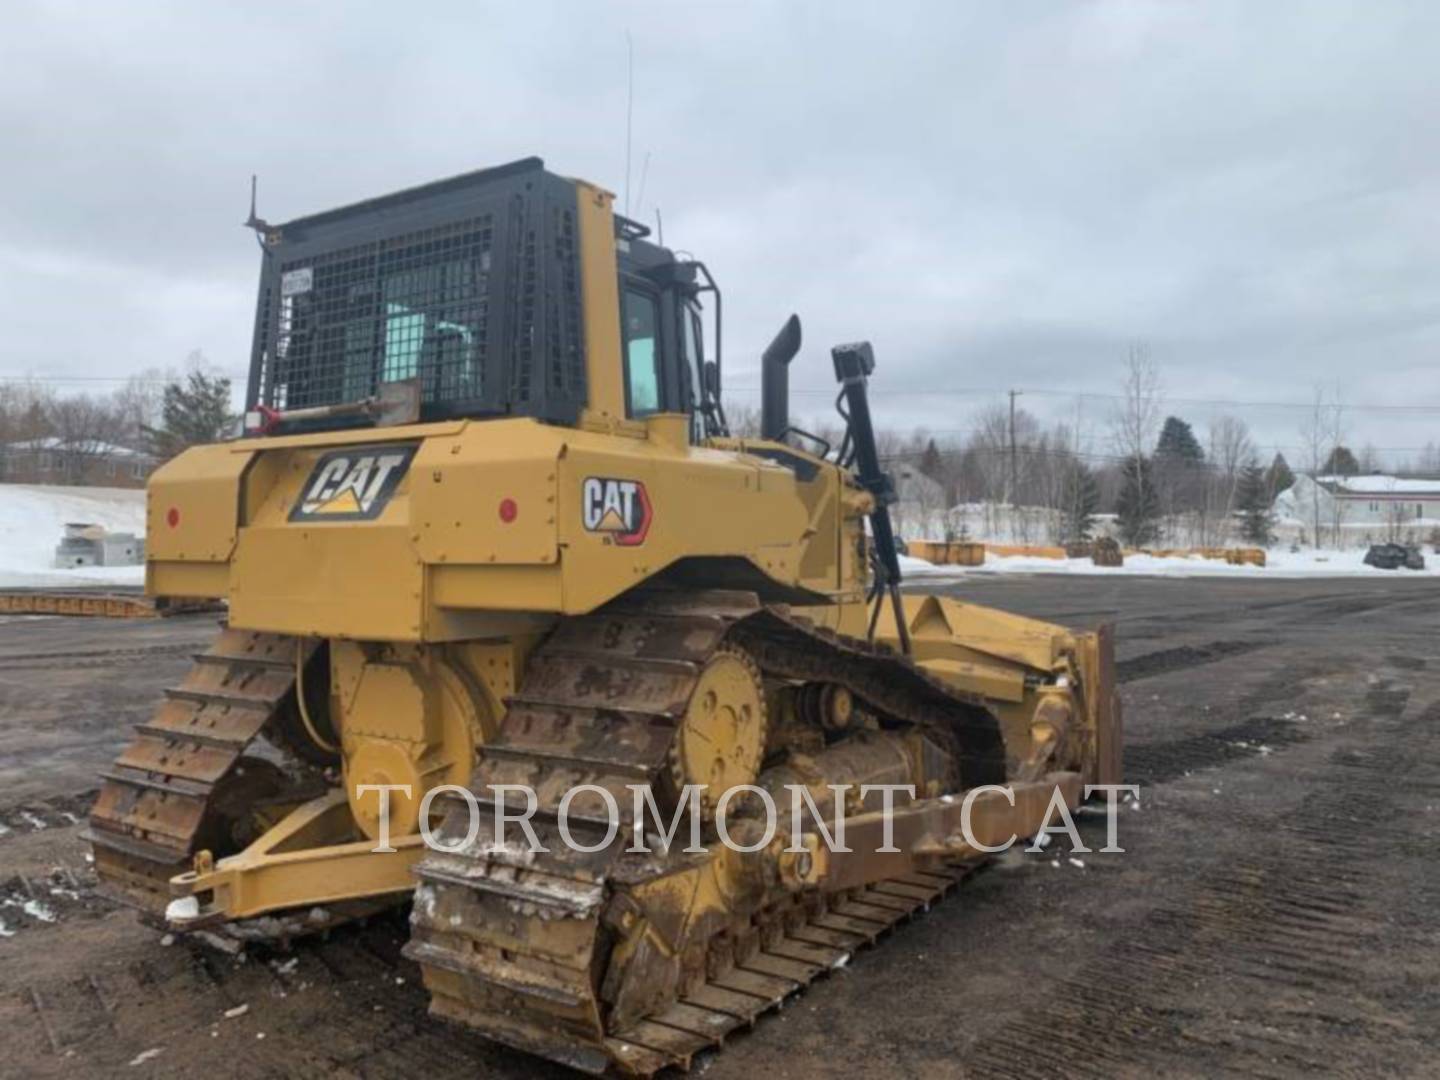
pixel 1362 509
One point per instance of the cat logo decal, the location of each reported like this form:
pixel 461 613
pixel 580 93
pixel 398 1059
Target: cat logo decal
pixel 353 484
pixel 618 509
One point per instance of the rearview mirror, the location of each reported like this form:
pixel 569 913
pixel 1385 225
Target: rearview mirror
pixel 711 376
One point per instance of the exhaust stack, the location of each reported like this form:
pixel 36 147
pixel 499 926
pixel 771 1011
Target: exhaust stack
pixel 775 379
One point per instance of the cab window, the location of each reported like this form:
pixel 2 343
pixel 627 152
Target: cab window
pixel 641 317
pixel 694 360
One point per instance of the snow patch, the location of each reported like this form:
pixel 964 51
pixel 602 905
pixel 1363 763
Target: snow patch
pixel 182 908
pixel 33 518
pixel 37 910
pixel 1279 564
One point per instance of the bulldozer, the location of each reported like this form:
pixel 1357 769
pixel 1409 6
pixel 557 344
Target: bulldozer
pixel 488 543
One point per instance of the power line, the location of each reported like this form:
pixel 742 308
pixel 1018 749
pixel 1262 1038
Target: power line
pixel 1060 452
pixel 46 380
pixel 1230 403
pixel 962 433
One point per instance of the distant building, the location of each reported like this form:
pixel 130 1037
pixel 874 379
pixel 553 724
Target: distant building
pixel 913 487
pixel 1363 507
pixel 53 460
pixel 919 503
pixel 92 545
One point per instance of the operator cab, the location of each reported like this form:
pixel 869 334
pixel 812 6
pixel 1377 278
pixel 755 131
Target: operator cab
pixel 463 298
pixel 663 330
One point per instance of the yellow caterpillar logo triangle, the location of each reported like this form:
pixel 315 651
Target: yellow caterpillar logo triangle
pixel 611 522
pixel 352 483
pixel 344 503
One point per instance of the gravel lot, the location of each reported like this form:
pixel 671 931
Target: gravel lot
pixel 1274 914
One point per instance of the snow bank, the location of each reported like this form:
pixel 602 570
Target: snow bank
pixel 1280 564
pixel 33 518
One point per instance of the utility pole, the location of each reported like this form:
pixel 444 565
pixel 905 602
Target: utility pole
pixel 1014 458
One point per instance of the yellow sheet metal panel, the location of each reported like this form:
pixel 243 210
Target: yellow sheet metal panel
pixel 628 509
pixel 207 580
pixel 987 631
pixel 487 496
pixel 352 580
pixel 1000 682
pixel 192 505
pixel 494 588
pixel 600 300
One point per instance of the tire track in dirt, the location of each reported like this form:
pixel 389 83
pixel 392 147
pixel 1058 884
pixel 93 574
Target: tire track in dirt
pixel 1279 933
pixel 1180 658
pixel 91 658
pixel 1159 762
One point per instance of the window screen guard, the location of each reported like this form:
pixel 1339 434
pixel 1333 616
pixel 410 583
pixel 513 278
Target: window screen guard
pixel 470 285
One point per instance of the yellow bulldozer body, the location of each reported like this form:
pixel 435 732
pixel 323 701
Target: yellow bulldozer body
pixel 611 604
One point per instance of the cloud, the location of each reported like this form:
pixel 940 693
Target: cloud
pixel 996 195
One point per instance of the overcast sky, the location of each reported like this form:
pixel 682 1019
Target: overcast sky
pixel 998 195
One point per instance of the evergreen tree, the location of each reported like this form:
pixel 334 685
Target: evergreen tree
pixel 1253 500
pixel 1341 462
pixel 1280 477
pixel 194 412
pixel 1138 507
pixel 930 462
pixel 1178 467
pixel 1081 499
pixel 1177 443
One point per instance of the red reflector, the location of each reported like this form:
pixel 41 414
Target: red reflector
pixel 508 510
pixel 172 517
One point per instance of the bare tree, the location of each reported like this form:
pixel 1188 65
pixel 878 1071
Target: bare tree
pixel 139 403
pixel 1395 521
pixel 1136 421
pixel 989 451
pixel 744 420
pixel 24 411
pixel 1429 462
pixel 85 428
pixel 1230 450
pixel 1321 432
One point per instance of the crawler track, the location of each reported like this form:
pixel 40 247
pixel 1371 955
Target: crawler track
pixel 517 945
pixel 180 785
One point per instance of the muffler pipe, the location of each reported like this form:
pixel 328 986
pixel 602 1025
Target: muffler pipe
pixel 775 379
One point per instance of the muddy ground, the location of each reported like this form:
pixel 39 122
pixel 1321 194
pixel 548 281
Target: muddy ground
pixel 1274 914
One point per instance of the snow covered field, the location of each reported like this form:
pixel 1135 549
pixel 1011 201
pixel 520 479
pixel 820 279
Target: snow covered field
pixel 1280 564
pixel 33 518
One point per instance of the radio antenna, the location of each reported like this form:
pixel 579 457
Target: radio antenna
pixel 629 110
pixel 644 173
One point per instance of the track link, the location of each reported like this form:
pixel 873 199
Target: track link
pixel 518 945
pixel 185 781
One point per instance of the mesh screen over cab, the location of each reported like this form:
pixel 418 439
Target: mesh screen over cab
pixel 470 285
